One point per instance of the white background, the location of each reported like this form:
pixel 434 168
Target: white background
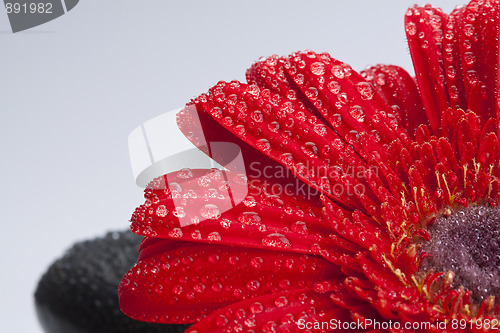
pixel 73 89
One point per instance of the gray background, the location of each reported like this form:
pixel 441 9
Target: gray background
pixel 73 89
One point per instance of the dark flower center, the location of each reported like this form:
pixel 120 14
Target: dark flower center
pixel 467 242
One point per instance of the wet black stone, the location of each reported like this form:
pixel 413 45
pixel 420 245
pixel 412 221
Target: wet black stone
pixel 78 293
pixel 467 242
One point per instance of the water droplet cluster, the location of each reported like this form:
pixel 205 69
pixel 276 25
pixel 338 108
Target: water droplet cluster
pixel 467 242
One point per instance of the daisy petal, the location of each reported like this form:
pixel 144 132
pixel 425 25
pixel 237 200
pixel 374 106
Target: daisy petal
pixel 183 282
pixel 399 90
pixel 219 207
pixel 457 89
pixel 283 131
pixel 424 30
pixel 293 311
pixel 478 40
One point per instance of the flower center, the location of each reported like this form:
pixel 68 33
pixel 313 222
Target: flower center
pixel 467 242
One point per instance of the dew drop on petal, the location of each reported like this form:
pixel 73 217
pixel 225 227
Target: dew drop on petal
pixel 257 116
pixel 281 301
pixel 310 149
pixel 468 30
pixel 221 321
pixel 214 236
pixel 337 120
pixel 196 234
pixel 250 201
pixel 250 218
pixel 225 223
pixel 320 129
pixel 357 113
pixel 411 28
pixel 284 284
pixel 240 130
pixel 276 240
pixel 256 308
pixel 213 259
pixel 317 68
pixel 365 90
pixel 233 260
pixel 334 87
pixel 216 287
pixel 337 72
pixel 175 233
pixel 300 227
pixel 161 211
pixel 253 285
pixel 257 262
pixel 210 211
pixel 253 90
pixel 263 145
pixel 286 159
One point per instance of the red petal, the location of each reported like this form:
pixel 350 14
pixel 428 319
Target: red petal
pixel 398 88
pixel 457 90
pixel 214 207
pixel 424 30
pixel 478 40
pixel 185 283
pixel 295 311
pixel 286 132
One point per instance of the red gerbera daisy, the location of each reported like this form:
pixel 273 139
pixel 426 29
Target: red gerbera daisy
pixel 367 203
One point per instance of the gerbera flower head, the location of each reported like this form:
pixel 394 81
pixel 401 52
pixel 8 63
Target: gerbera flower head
pixel 367 198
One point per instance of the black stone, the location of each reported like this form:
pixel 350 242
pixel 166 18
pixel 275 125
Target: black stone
pixel 78 293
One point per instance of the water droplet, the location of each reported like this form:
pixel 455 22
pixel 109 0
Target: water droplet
pixel 256 308
pixel 177 290
pixel 310 149
pixel 468 30
pixel 199 288
pixel 196 234
pixel 233 260
pixel 253 285
pixel 216 112
pixel 281 301
pixel 286 159
pixel 240 130
pixel 469 58
pixel 250 201
pixel 161 211
pixel 337 72
pixel 285 284
pixel 210 211
pixel 175 233
pixel 276 240
pixel 357 113
pixel 213 258
pixel 365 90
pixel 225 223
pixel 411 28
pixel 317 68
pixel 257 116
pixel 179 212
pixel 257 262
pixel 300 227
pixel 263 145
pixel 334 87
pixel 250 218
pixel 253 90
pixel 214 237
pixel 221 321
pixel 320 129
pixel 216 287
pixel 337 120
